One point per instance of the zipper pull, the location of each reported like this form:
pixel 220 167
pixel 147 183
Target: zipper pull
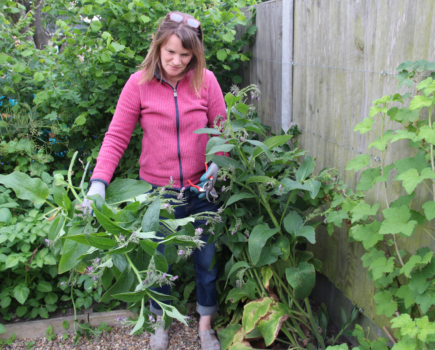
pixel 175 92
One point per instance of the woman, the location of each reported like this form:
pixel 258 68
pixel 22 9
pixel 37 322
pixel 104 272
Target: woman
pixel 171 96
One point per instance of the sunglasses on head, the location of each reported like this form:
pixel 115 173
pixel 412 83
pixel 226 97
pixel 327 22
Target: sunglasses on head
pixel 191 22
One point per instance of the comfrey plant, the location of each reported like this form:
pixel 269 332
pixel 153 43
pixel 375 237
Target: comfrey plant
pixel 269 202
pixel 118 246
pixel 404 278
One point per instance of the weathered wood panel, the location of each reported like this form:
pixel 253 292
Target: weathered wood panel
pixel 340 48
pixel 265 69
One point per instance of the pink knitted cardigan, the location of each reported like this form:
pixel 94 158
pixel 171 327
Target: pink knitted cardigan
pixel 169 146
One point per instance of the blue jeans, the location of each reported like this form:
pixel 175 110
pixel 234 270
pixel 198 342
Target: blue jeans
pixel 206 278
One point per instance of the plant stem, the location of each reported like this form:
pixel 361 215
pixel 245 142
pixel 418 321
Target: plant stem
pixel 287 204
pixel 290 336
pixel 269 210
pixel 313 322
pixel 69 177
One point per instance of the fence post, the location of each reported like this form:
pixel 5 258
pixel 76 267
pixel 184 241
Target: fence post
pixel 287 68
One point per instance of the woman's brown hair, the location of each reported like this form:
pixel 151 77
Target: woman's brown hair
pixel 191 39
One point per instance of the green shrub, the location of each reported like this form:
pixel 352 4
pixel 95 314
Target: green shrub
pixel 73 92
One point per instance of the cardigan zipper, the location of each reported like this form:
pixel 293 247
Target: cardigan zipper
pixel 177 114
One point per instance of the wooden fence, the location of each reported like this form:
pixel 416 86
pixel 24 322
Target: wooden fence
pixel 345 54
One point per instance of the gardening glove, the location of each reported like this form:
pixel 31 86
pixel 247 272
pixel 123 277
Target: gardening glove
pixel 97 187
pixel 213 171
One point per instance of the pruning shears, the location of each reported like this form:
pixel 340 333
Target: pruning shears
pixel 207 187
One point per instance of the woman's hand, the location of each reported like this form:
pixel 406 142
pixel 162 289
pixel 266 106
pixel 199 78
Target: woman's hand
pixel 97 187
pixel 210 174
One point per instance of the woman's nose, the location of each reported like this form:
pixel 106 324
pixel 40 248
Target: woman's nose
pixel 177 60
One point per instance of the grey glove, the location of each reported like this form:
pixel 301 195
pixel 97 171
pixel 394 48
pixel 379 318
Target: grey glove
pixel 97 187
pixel 212 171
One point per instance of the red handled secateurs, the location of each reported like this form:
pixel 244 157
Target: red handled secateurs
pixel 207 187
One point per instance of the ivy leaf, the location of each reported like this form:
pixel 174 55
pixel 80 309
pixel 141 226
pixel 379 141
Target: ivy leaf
pixel 407 295
pixel 425 328
pixel 417 162
pixel 396 221
pixel 367 180
pixel 380 266
pixel 382 144
pixel 362 210
pixel 359 162
pixel 427 133
pixel 367 234
pixel 420 101
pixel 429 210
pixel 404 135
pixel 364 126
pixel 406 325
pixel 337 217
pixel 411 178
pixel 406 116
pixel 385 303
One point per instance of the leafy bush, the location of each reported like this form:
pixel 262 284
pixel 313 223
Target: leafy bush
pixel 72 86
pixel 269 205
pixel 403 279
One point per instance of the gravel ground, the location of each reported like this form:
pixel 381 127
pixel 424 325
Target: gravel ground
pixel 119 338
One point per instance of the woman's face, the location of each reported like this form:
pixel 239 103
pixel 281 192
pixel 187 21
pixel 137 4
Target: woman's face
pixel 174 58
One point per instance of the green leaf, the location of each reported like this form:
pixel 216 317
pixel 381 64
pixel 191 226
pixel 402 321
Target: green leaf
pixel 252 30
pixel 404 135
pixel 5 216
pixel 396 221
pixel 188 290
pixel 406 324
pixel 427 133
pixel 106 56
pixel 97 240
pixel 139 323
pixel 367 234
pixel 364 126
pixel 109 226
pixel 5 302
pixel 95 25
pixel 411 178
pixel 380 266
pixel 43 312
pixel 429 210
pixel 44 287
pixel 261 147
pixel 254 311
pixel 257 240
pixel 3 58
pixel 406 116
pixel 385 304
pixel 362 210
pixel 21 293
pixel 262 179
pixel 407 295
pixel 122 285
pixel 20 311
pixel 312 186
pixel 337 217
pixel 38 76
pixel 71 252
pixel 51 298
pixel 221 55
pixel 117 47
pixel 425 328
pixel 247 290
pixel 226 335
pixel 81 119
pixel 226 162
pixel 381 144
pixel 302 279
pixel 123 190
pixel 210 131
pixel 144 19
pixel 160 262
pixel 220 148
pixel 359 162
pixel 270 325
pixel 236 266
pixel 420 101
pixel 276 141
pixel 25 187
pixel 242 108
pixel 305 169
pixel 131 297
pixel 417 162
pixel 236 197
pixel 150 221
